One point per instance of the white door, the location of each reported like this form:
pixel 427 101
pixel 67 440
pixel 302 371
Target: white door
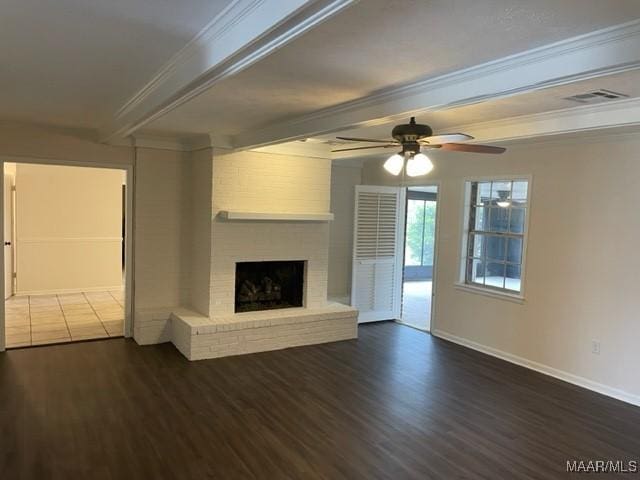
pixel 8 234
pixel 377 252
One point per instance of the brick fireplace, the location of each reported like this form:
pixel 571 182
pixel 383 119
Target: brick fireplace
pixel 268 275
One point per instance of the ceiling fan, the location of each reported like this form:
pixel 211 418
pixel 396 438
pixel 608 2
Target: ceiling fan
pixel 412 137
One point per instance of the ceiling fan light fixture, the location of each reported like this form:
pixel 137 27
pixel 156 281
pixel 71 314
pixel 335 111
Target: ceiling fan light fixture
pixel 503 199
pixel 394 164
pixel 418 165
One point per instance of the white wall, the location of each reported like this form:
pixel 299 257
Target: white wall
pixel 201 184
pixel 68 229
pixel 581 268
pixel 162 245
pixel 343 182
pixel 162 240
pixel 65 145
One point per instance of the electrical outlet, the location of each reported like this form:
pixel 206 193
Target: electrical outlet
pixel 595 347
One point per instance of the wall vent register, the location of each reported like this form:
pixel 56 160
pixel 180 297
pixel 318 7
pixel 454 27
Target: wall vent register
pixel 596 96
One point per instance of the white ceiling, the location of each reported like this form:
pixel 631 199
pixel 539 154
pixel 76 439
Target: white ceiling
pixel 75 62
pixel 376 44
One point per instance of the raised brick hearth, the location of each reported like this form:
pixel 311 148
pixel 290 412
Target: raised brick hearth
pixel 199 337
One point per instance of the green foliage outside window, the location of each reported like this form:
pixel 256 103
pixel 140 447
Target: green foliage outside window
pixel 421 222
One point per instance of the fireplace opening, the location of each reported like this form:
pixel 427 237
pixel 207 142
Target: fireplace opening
pixel 269 285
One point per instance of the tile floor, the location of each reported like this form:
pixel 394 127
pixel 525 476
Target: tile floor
pixel 42 319
pixel 416 304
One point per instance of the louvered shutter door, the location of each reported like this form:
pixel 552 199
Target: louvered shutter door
pixel 377 252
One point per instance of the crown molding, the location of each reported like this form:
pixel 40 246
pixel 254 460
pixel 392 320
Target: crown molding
pixel 584 137
pixel 595 54
pixel 221 141
pixel 302 148
pixel 213 31
pixel 604 116
pixel 166 142
pixel 197 142
pixel 242 34
pixel 160 143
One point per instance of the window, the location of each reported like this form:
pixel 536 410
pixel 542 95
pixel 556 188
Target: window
pixel 495 235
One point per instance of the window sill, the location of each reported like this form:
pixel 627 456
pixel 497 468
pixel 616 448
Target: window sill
pixel 509 297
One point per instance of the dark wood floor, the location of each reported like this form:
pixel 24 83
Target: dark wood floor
pixel 395 404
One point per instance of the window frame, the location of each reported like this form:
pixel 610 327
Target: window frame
pixel 488 290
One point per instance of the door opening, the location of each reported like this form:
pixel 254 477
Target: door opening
pixel 66 272
pixel 8 234
pixel 377 252
pixel 419 256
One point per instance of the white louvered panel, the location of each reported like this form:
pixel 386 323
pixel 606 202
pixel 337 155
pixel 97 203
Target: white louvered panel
pixel 366 225
pixel 364 292
pixel 376 222
pixel 378 211
pixel 384 277
pixel 387 224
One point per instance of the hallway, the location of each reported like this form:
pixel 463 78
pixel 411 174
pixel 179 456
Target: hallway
pixel 43 319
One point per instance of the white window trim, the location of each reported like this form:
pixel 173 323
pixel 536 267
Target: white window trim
pixel 489 292
pixel 461 283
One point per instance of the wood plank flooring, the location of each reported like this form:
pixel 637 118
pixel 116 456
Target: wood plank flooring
pixel 397 404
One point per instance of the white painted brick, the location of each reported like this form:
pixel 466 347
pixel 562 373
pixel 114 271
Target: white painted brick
pixel 263 182
pixel 213 338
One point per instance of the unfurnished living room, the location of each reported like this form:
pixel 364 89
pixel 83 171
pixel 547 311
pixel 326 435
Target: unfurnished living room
pixel 320 239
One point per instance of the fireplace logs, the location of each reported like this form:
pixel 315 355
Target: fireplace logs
pixel 268 285
pixel 266 291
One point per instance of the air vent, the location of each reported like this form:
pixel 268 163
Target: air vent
pixel 596 96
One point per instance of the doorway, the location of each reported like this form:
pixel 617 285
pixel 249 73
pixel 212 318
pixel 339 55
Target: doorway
pixel 8 233
pixel 419 256
pixel 64 273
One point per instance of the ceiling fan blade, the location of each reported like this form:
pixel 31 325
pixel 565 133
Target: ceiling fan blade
pixel 473 148
pixel 364 148
pixel 446 138
pixel 354 139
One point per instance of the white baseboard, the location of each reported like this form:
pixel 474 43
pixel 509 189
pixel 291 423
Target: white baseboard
pixel 541 368
pixel 68 290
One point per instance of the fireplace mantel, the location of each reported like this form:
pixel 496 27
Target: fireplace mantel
pixel 277 217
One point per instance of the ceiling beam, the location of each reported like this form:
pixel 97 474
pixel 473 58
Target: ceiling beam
pixel 603 52
pixel 619 114
pixel 601 117
pixel 241 35
pixel 610 115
